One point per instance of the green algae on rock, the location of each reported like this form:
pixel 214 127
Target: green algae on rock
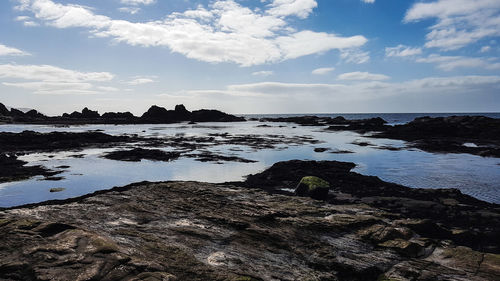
pixel 313 187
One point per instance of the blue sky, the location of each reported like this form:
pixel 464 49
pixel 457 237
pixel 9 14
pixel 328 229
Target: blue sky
pixel 251 56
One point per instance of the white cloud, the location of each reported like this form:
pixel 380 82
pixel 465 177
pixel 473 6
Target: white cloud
pixel 130 10
pixel 359 76
pixel 485 49
pixel 368 1
pixel 364 96
pixel 449 63
pixel 299 8
pixel 9 51
pixel 263 73
pixel 459 22
pixel 47 79
pixel 27 21
pixel 323 70
pixel 138 2
pixel 140 81
pixel 402 51
pixel 308 42
pixel 50 73
pixel 355 56
pixel 22 18
pixel 226 32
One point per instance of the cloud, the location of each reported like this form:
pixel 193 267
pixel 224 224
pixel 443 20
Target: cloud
pixel 9 51
pixel 459 22
pixel 485 49
pixel 355 56
pixel 137 2
pixel 362 76
pixel 140 81
pixel 225 32
pixel 263 73
pixel 449 63
pixel 27 21
pixel 402 51
pixel 364 96
pixel 299 8
pixel 130 10
pixel 323 70
pixel 47 79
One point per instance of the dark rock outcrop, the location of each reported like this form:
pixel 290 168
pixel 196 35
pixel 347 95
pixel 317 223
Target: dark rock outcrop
pixel 13 169
pixel 137 154
pixel 34 141
pixel 205 115
pixel 3 110
pixel 157 114
pixel 449 134
pixel 154 115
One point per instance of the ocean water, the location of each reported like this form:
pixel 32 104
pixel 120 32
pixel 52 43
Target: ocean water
pixel 473 175
pixel 391 118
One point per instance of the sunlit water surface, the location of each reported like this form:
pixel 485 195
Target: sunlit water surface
pixel 473 175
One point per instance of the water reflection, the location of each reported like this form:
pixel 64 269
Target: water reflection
pixel 88 171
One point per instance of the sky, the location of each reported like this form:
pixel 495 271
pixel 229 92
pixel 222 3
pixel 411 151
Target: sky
pixel 251 56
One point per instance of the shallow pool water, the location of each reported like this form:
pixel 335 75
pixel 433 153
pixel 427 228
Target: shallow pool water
pixel 473 175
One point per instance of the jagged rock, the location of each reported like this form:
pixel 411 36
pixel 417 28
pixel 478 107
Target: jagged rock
pixel 87 113
pixel 3 110
pixel 16 113
pixel 118 115
pixel 313 187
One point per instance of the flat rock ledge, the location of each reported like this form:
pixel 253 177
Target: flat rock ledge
pixel 203 231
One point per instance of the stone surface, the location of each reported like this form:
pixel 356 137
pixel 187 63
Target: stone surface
pixel 202 231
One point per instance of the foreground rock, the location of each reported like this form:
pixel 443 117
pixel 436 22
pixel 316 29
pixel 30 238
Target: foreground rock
pixel 202 231
pixel 436 213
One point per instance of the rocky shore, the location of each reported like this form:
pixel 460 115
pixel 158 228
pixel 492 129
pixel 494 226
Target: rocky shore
pixel 478 135
pixel 154 115
pixel 364 229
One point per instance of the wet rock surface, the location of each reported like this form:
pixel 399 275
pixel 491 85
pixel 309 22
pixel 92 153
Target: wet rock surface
pixel 450 134
pixel 202 231
pixel 57 141
pixel 435 213
pixel 478 135
pixel 137 154
pixel 13 169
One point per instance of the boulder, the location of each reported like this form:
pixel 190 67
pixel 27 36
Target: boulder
pixel 313 187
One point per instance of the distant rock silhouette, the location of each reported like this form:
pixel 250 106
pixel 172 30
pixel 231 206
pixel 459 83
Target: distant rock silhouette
pixel 154 115
pixel 3 110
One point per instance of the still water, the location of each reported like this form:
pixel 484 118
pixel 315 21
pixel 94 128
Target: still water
pixel 473 175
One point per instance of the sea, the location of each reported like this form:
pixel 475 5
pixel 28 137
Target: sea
pixel 88 171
